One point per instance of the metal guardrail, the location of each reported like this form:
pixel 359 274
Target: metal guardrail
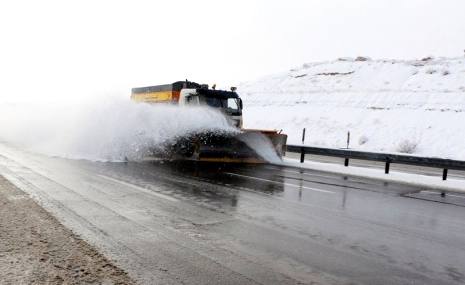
pixel 387 158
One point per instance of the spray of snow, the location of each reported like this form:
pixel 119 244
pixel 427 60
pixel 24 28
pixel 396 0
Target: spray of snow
pixel 262 146
pixel 109 130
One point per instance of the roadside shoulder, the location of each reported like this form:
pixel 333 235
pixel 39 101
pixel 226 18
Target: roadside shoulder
pixel 37 249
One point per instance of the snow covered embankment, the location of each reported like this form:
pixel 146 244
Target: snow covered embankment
pixel 388 105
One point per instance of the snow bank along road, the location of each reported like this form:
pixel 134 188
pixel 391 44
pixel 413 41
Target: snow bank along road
pixel 412 106
pixel 403 168
pixel 182 224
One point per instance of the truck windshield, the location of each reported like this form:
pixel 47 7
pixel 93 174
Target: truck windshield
pixel 229 103
pixel 214 102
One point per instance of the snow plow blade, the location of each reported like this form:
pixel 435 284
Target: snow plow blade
pixel 247 146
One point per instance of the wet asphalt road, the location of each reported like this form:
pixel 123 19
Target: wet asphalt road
pixel 197 224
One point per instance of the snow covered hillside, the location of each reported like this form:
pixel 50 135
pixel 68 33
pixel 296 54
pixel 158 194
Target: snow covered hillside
pixel 415 106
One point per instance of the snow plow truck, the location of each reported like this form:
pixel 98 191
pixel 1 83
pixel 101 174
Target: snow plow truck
pixel 243 146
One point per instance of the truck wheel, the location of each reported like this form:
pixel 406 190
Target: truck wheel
pixel 185 149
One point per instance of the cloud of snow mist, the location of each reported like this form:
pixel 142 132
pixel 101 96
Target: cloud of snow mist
pixel 106 130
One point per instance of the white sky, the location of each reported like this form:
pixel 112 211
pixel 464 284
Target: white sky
pixel 89 48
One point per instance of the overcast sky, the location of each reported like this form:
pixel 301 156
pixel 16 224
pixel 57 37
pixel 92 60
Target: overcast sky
pixel 95 47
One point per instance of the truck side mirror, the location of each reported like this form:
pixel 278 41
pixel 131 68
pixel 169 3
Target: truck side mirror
pixel 240 104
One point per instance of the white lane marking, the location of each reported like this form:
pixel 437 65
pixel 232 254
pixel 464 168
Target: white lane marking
pixel 309 174
pixel 287 184
pixel 140 188
pixel 439 193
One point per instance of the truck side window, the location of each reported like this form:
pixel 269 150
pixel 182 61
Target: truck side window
pixel 192 100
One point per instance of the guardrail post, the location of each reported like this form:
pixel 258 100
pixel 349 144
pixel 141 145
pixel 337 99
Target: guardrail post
pixel 302 150
pixel 348 139
pixel 444 174
pixel 346 162
pixel 444 177
pixel 388 164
